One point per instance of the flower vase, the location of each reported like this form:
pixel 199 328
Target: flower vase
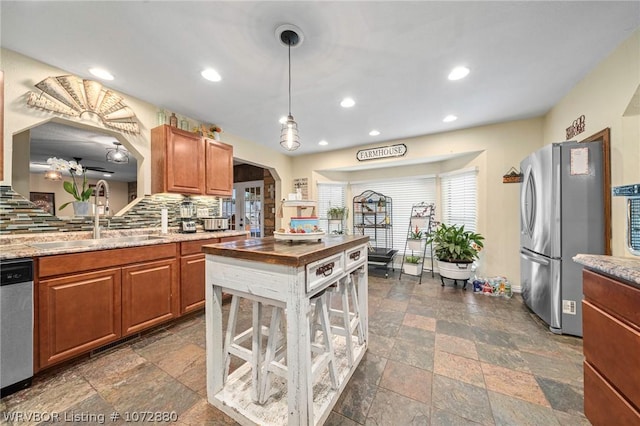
pixel 216 136
pixel 81 208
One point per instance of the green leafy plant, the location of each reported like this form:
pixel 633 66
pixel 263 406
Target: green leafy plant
pixel 454 244
pixel 75 169
pixel 412 259
pixel 337 212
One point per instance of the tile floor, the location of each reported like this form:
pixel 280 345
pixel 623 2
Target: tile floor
pixel 437 356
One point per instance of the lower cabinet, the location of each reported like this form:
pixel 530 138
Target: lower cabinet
pixel 192 278
pixel 149 295
pixel 78 313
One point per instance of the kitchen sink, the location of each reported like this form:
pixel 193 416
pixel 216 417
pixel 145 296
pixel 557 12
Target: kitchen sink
pixel 93 242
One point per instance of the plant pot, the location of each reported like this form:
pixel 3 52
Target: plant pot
pixel 412 268
pixel 415 245
pixel 81 208
pixel 455 271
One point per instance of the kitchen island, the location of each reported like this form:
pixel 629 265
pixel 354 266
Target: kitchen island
pixel 282 273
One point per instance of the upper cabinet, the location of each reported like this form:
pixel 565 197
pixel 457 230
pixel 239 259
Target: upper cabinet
pixel 219 168
pixel 184 162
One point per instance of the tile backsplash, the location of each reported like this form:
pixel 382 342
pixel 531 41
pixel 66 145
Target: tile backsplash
pixel 20 216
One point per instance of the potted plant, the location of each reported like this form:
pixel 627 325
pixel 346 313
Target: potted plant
pixel 415 239
pixel 412 265
pixel 81 205
pixel 456 249
pixel 337 213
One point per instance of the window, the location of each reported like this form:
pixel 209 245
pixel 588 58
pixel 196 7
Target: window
pixel 459 198
pixel 404 193
pixel 330 195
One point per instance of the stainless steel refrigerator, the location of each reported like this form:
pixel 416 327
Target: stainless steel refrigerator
pixel 561 214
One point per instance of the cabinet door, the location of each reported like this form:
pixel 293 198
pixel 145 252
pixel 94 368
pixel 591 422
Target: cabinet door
pixel 78 313
pixel 192 282
pixel 219 174
pixel 149 295
pixel 177 161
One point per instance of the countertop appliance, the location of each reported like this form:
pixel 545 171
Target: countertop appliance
pixel 561 215
pixel 16 325
pixel 632 192
pixel 187 221
pixel 215 223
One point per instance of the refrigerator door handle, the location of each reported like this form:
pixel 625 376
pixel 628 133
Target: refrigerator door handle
pixel 537 259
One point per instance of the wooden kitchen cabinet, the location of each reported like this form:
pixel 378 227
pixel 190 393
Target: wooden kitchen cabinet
pixel 219 168
pixel 150 295
pixel 77 313
pixel 611 341
pixel 185 163
pixel 177 161
pixel 192 272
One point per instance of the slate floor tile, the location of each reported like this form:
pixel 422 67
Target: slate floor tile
pixel 465 400
pixel 509 411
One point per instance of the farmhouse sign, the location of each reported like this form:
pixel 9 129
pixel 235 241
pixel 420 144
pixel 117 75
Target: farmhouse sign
pixel 382 152
pixel 576 127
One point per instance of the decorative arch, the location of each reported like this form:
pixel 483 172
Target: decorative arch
pixel 72 96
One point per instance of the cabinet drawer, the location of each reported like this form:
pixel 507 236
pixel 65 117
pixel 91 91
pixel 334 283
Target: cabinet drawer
pixel 602 404
pixel 325 271
pixel 195 247
pixel 355 257
pixel 612 296
pixel 612 348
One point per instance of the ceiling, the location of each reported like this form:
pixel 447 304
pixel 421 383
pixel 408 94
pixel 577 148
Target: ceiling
pixel 391 57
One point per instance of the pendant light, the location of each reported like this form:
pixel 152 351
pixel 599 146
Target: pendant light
pixel 117 155
pixel 289 138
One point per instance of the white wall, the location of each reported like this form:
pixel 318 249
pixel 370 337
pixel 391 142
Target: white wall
pixel 602 97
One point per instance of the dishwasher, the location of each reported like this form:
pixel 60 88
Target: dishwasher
pixel 16 325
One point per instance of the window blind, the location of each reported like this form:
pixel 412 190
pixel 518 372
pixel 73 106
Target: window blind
pixel 331 195
pixel 404 194
pixel 459 192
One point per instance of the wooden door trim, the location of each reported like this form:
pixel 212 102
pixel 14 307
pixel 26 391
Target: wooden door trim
pixel 604 135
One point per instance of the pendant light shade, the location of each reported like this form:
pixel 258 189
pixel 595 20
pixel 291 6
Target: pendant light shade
pixel 117 155
pixel 289 138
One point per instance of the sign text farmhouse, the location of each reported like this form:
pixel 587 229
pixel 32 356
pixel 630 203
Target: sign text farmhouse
pixel 382 152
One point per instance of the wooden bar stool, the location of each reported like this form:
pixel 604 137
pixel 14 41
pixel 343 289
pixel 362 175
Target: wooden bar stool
pixel 233 343
pixel 351 320
pixel 322 354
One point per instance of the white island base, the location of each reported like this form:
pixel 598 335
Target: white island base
pixel 289 275
pixel 235 398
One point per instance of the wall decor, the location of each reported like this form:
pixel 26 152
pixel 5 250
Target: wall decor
pixel 303 185
pixel 576 127
pixel 398 150
pixel 44 200
pixel 73 96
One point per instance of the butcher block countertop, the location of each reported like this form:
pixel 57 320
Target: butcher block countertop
pixel 299 253
pixel 623 268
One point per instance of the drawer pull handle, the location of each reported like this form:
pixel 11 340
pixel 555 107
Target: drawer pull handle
pixel 325 270
pixel 355 255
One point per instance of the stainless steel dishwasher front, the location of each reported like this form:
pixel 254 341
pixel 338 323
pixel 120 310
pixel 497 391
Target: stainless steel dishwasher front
pixel 16 325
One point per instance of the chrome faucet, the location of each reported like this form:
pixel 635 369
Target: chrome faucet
pixel 96 223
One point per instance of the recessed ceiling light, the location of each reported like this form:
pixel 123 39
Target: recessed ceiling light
pixel 283 119
pixel 323 143
pixel 211 74
pixel 374 133
pixel 449 118
pixel 347 103
pixel 458 72
pixel 100 73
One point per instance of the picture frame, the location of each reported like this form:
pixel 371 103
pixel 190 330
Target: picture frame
pixel 45 201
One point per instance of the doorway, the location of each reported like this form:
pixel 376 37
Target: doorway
pixel 249 200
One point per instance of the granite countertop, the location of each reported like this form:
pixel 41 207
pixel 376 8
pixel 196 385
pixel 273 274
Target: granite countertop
pixel 270 250
pixel 624 268
pixel 17 246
